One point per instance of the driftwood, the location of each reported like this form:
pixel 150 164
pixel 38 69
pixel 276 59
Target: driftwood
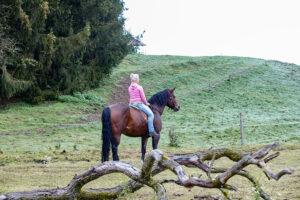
pixel 155 163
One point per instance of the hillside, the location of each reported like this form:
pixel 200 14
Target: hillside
pixel 43 146
pixel 212 92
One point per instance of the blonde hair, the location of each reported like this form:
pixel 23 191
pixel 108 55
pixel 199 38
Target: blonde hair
pixel 134 77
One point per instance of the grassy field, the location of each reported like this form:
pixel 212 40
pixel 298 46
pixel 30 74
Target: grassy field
pixel 43 146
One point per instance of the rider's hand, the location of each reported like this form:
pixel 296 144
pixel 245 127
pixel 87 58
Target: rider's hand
pixel 148 104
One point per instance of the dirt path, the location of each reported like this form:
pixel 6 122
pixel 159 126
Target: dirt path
pixel 120 94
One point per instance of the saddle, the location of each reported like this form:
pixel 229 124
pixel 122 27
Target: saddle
pixel 145 116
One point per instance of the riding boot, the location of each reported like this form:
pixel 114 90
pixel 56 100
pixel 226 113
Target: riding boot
pixel 153 134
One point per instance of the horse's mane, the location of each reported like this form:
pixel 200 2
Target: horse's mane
pixel 160 98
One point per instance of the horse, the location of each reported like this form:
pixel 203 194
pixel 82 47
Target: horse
pixel 119 118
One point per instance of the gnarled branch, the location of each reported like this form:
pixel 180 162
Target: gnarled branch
pixel 155 163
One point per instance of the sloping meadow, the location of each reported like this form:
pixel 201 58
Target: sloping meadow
pixel 212 92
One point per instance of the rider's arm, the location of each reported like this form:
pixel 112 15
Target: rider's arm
pixel 143 95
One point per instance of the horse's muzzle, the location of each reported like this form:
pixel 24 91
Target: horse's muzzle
pixel 177 108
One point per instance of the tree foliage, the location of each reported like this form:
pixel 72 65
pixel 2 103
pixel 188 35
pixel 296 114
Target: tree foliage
pixel 53 46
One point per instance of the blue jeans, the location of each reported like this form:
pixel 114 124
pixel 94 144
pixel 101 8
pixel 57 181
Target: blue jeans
pixel 148 112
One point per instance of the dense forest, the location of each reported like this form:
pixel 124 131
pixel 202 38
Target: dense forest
pixel 52 47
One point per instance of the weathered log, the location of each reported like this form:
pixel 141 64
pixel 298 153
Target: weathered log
pixel 155 163
pixel 73 189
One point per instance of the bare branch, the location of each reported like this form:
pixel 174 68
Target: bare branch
pixel 155 163
pixel 270 157
pixel 269 173
pixel 256 185
pixel 210 164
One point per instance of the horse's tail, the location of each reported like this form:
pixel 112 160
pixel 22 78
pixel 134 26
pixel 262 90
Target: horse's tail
pixel 106 134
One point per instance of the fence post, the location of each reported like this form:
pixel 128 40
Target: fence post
pixel 242 129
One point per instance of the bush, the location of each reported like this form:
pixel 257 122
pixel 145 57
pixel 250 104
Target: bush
pixel 173 136
pixel 50 95
pixel 82 98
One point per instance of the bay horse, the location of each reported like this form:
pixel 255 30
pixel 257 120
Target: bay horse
pixel 120 119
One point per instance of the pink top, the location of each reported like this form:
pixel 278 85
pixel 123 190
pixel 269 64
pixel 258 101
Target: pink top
pixel 136 94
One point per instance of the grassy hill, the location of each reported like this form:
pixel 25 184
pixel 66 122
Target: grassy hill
pixel 212 92
pixel 267 95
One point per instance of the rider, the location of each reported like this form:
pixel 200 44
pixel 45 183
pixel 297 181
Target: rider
pixel 138 99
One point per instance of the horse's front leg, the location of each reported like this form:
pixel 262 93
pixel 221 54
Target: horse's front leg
pixel 144 146
pixel 155 141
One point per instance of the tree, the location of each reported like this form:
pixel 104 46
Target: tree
pixel 8 48
pixel 65 46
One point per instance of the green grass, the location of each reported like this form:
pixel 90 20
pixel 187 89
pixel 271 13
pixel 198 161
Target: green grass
pixel 268 96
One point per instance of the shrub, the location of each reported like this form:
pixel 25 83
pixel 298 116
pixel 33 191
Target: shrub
pixel 78 97
pixel 173 136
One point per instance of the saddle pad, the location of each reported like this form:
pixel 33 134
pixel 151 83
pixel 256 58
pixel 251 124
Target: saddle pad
pixel 144 114
pixel 134 107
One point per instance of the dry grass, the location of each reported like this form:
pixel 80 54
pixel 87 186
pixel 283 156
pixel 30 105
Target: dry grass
pixel 19 176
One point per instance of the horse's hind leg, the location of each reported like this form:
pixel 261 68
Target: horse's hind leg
pixel 144 146
pixel 115 141
pixel 155 141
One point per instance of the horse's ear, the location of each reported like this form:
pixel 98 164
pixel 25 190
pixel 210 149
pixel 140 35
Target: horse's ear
pixel 172 90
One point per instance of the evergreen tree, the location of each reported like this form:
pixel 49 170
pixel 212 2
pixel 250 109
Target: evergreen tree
pixel 64 46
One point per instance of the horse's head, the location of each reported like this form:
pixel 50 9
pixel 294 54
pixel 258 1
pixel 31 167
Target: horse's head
pixel 171 102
